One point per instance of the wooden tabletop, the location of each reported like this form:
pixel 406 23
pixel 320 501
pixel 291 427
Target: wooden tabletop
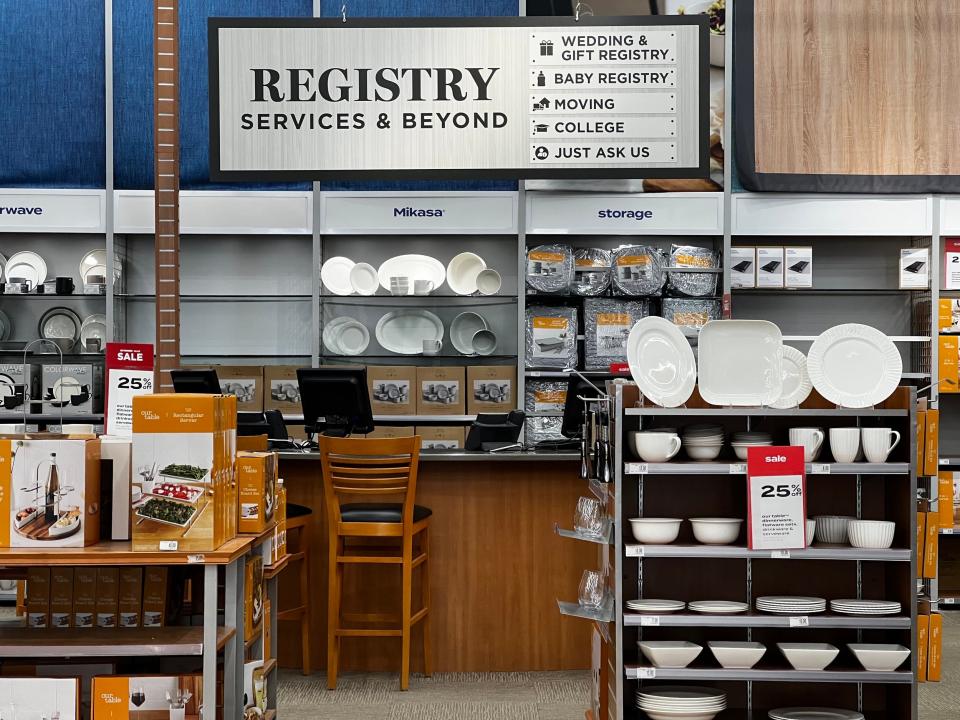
pixel 121 553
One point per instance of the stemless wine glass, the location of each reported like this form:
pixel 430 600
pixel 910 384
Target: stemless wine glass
pixel 592 589
pixel 588 519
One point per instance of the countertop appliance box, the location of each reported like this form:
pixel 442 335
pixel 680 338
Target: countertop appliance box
pixel 769 267
pixel 440 391
pixel 798 267
pixel 743 267
pixel 441 437
pixel 392 389
pixel 281 389
pixel 491 388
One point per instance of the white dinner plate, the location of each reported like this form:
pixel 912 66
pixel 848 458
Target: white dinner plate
pixel 796 380
pixel 335 274
pixel 65 387
pixel 854 366
pixel 814 713
pixel 93 327
pixel 403 331
pixel 27 265
pixel 7 385
pixel 352 337
pixel 462 272
pixel 6 327
pixel 93 263
pixel 463 328
pixel 412 267
pixel 364 279
pixel 685 694
pixel 740 362
pixel 330 332
pixel 661 361
pixel 718 607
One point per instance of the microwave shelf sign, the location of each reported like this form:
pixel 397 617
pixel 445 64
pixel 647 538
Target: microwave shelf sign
pixel 306 98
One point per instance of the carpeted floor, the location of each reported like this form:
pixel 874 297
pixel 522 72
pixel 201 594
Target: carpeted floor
pixel 445 696
pixel 941 701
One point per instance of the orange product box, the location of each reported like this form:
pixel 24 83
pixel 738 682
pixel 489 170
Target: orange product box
pixel 949 380
pixel 253 607
pixel 129 596
pixel 257 481
pixel 112 696
pixel 931 443
pixel 267 630
pixel 931 545
pixel 921 538
pixel 935 649
pixel 921 436
pixel 945 499
pixel 84 597
pixel 923 628
pixel 280 539
pixel 61 597
pixel 154 596
pixel 38 597
pixel 108 596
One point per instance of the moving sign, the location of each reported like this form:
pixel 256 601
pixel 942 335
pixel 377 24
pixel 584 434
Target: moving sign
pixel 302 99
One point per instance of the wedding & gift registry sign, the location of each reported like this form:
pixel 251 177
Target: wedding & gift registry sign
pixel 303 98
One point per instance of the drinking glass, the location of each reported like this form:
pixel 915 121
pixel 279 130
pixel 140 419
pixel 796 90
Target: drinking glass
pixel 592 589
pixel 589 518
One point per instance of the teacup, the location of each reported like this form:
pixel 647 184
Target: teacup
pixel 878 443
pixel 655 447
pixel 422 287
pixel 810 439
pixel 845 444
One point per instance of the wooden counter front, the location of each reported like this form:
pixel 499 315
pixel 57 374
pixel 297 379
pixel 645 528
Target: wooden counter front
pixel 496 570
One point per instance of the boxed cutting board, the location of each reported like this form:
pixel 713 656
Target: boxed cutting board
pixel 769 267
pixel 68 387
pixel 392 389
pixel 129 596
pixel 61 596
pixel 743 267
pixel 441 437
pixel 108 596
pixel 84 597
pixel 154 596
pixel 440 391
pixel 52 496
pixel 20 383
pixel 491 388
pixel 281 389
pixel 184 450
pixel 38 597
pixel 257 481
pixel 142 697
pixel 253 606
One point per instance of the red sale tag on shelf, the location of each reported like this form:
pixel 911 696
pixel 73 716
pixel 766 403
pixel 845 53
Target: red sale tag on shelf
pixel 776 498
pixel 129 373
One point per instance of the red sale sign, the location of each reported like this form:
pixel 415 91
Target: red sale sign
pixel 129 372
pixel 776 498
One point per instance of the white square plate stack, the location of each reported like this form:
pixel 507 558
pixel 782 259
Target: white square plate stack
pixel 789 605
pixel 865 607
pixel 686 702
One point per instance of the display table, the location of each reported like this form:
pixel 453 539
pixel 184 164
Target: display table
pixel 497 566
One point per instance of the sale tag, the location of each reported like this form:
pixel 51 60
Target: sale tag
pixel 129 373
pixel 803 621
pixel 649 621
pixel 776 498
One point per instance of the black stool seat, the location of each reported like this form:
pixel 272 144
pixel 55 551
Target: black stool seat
pixel 294 510
pixel 380 512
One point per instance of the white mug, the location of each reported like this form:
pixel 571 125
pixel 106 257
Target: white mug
pixel 845 444
pixel 656 447
pixel 431 347
pixel 810 439
pixel 877 444
pixel 422 287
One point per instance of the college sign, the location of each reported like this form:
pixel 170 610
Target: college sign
pixel 301 99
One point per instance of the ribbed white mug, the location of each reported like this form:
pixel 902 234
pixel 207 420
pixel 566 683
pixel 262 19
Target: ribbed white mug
pixel 878 443
pixel 845 444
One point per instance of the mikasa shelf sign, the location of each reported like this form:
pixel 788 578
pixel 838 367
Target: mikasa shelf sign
pixel 301 99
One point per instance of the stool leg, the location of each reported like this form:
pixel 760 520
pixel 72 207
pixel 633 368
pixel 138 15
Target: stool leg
pixel 306 626
pixel 406 611
pixel 335 577
pixel 425 596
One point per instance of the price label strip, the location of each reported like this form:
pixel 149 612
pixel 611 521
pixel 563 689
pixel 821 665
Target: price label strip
pixel 803 621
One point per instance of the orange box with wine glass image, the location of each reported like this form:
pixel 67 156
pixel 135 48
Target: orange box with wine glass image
pixel 49 492
pixel 146 697
pixel 184 494
pixel 257 481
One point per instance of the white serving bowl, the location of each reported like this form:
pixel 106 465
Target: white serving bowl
pixel 879 658
pixel 670 653
pixel 704 452
pixel 809 656
pixel 740 449
pixel 811 531
pixel 716 531
pixel 875 534
pixel 655 531
pixel 737 654
pixel 832 528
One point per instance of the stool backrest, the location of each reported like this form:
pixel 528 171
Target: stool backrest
pixel 368 466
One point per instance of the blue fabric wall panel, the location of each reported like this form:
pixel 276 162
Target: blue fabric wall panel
pixel 132 94
pixel 52 90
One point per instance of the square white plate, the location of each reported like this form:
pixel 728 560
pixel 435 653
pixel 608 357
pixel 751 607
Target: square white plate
pixel 740 362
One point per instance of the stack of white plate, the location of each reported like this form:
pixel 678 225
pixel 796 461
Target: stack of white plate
pixel 345 336
pixel 656 606
pixel 703 442
pixel 814 713
pixel 718 607
pixel 865 607
pixel 791 605
pixel 687 702
pixel 741 441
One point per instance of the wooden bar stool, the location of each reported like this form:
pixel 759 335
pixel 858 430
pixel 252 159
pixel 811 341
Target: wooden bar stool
pixel 298 550
pixel 362 467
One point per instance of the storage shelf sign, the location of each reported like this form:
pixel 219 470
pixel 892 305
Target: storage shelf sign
pixel 129 373
pixel 776 498
pixel 307 98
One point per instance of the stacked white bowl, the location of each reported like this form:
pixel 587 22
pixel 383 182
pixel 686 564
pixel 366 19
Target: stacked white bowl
pixel 742 441
pixel 703 442
pixel 689 703
pixel 874 534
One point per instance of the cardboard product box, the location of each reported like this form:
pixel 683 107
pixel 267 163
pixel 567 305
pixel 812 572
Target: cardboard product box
pixel 440 391
pixel 61 597
pixel 186 445
pixel 921 437
pixel 921 539
pixel 70 386
pixel 914 268
pixel 441 437
pixel 491 388
pixel 42 697
pixel 948 316
pixel 743 267
pixel 257 480
pixel 798 267
pixel 130 595
pixel 923 643
pixel 254 685
pixel 935 648
pixel 25 380
pixel 84 597
pixel 112 696
pixel 108 597
pixel 770 267
pixel 154 596
pixel 38 597
pixel 956 498
pixel 392 389
pixel 119 451
pixel 945 499
pixel 931 443
pixel 392 431
pixel 245 382
pixel 281 389
pixel 267 630
pixel 253 607
pixel 948 357
pixel 931 545
pixel 50 497
pixel 280 537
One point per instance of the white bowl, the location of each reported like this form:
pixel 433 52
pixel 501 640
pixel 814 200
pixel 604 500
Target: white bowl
pixel 811 531
pixel 809 656
pixel 737 654
pixel 655 531
pixel 488 282
pixel 716 531
pixel 703 452
pixel 875 534
pixel 879 658
pixel 669 653
pixel 832 528
pixel 740 449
